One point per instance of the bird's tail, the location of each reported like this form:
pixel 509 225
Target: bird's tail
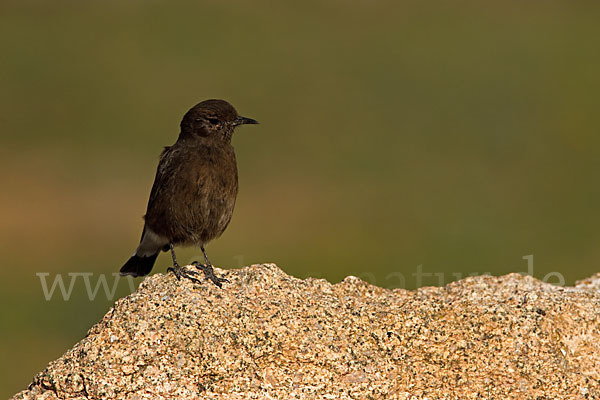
pixel 138 265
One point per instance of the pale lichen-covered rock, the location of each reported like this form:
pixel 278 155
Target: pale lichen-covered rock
pixel 270 336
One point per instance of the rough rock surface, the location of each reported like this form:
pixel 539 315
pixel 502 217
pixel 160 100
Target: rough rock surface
pixel 271 336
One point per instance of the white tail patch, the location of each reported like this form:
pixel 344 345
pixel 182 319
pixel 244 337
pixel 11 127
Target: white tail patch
pixel 151 243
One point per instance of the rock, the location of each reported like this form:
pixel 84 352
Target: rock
pixel 269 335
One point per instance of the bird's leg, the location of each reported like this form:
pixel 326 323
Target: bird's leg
pixel 180 271
pixel 175 263
pixel 208 270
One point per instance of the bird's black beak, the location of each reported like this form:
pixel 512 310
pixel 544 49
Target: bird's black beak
pixel 244 121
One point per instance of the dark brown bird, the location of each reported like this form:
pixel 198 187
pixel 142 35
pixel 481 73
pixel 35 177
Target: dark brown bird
pixel 194 190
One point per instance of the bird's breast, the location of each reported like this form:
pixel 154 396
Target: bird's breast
pixel 216 171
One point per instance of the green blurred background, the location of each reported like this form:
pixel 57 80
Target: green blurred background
pixel 455 136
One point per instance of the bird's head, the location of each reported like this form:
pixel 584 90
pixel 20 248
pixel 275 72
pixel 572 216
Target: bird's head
pixel 215 119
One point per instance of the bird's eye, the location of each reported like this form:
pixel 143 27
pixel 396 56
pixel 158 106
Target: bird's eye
pixel 213 121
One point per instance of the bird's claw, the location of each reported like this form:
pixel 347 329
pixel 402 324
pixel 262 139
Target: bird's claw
pixel 180 272
pixel 209 273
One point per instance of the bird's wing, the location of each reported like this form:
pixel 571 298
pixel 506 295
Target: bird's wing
pixel 164 171
pixel 158 211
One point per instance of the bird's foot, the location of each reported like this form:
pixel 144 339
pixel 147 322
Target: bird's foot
pixel 182 272
pixel 209 273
